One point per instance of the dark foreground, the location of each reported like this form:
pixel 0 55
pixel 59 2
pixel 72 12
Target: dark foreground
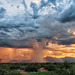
pixel 37 69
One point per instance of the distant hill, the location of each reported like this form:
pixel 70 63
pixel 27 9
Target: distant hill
pixel 17 61
pixel 69 59
pixel 48 59
pixel 52 59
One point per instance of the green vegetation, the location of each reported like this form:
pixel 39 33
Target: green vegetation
pixel 37 68
pixel 43 73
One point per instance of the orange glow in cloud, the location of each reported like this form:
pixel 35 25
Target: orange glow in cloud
pixel 9 54
pixel 59 51
pixel 52 50
pixel 71 31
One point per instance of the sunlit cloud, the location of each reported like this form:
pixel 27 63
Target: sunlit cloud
pixel 35 29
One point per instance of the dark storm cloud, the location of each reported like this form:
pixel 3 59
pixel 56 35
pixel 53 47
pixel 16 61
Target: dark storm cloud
pixel 15 43
pixel 16 29
pixel 68 13
pixel 66 41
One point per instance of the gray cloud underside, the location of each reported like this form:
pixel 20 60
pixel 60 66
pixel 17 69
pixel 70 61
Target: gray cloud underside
pixel 14 31
pixel 68 14
pixel 67 41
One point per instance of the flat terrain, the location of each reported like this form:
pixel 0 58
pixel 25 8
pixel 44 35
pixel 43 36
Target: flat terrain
pixel 37 68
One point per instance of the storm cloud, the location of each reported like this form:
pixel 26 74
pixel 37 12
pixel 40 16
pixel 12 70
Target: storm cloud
pixel 49 20
pixel 68 14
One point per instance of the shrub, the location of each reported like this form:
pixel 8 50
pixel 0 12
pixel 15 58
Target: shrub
pixel 22 67
pixel 50 67
pixel 72 70
pixel 43 73
pixel 14 73
pixel 67 65
pixel 65 72
pixel 3 72
pixel 31 68
pixel 14 67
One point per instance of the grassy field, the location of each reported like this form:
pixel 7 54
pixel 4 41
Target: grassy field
pixel 37 69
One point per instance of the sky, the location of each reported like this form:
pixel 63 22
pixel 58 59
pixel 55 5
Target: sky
pixel 42 27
